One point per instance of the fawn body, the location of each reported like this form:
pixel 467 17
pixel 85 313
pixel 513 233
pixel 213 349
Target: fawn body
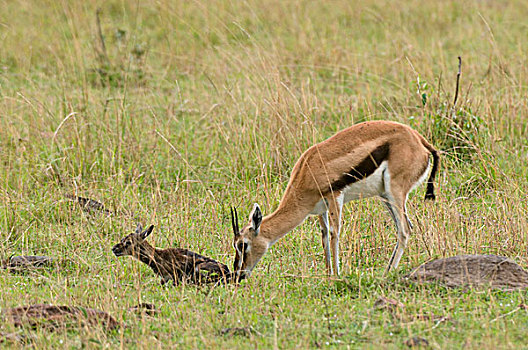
pixel 172 264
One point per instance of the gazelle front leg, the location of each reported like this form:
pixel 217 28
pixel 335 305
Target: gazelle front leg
pixel 325 227
pixel 335 207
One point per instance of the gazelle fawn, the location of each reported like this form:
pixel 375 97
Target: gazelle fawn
pixel 377 158
pixel 172 264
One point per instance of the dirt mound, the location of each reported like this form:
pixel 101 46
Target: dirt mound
pixel 476 270
pixel 52 316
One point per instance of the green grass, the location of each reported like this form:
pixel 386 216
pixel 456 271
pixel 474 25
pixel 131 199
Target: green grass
pixel 198 106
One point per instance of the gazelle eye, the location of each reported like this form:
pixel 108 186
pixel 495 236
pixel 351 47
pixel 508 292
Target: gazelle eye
pixel 242 246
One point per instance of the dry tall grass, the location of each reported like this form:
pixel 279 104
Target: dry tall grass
pixel 192 107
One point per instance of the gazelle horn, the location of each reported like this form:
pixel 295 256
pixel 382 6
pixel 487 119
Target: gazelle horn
pixel 234 221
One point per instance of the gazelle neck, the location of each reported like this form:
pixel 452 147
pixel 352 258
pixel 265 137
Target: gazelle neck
pixel 284 219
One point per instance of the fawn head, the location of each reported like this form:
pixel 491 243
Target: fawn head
pixel 131 243
pixel 249 246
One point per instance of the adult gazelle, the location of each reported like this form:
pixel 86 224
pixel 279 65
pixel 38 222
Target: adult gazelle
pixel 377 158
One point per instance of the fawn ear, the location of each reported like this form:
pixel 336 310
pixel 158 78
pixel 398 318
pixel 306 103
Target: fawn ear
pixel 255 218
pixel 139 229
pixel 147 232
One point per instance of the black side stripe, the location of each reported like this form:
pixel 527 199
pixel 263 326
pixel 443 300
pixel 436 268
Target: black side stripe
pixel 364 169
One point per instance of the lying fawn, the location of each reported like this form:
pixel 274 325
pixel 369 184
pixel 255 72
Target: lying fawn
pixel 176 264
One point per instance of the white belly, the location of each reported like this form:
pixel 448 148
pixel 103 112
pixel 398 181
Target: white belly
pixel 366 188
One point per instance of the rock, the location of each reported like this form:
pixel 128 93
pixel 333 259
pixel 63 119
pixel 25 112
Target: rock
pixel 52 316
pixel 26 262
pixel 416 341
pixel 237 331
pixel 475 270
pixel 431 317
pixel 89 205
pixel 12 338
pixel 144 308
pixel 383 303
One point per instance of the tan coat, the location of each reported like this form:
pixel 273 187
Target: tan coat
pixel 376 158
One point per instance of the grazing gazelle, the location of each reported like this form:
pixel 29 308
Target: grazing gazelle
pixel 376 158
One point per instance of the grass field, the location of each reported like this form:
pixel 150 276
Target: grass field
pixel 190 107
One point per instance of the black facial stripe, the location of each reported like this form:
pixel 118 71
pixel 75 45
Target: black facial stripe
pixel 237 260
pixel 240 249
pixel 364 169
pixel 245 258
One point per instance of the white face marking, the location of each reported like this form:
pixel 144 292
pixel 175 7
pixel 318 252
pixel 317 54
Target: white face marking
pixel 246 242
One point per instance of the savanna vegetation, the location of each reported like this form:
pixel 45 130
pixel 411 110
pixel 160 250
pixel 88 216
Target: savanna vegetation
pixel 170 112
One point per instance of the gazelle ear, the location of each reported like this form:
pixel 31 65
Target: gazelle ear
pixel 255 218
pixel 147 232
pixel 139 229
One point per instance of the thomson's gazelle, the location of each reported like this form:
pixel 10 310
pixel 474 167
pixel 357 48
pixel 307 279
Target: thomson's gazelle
pixel 377 158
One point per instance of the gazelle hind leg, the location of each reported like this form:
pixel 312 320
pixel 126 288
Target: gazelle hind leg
pixel 409 223
pixel 335 208
pixel 325 226
pixel 402 235
pixel 393 216
pixel 395 201
pixel 397 252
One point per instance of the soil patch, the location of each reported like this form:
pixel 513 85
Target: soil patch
pixel 53 316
